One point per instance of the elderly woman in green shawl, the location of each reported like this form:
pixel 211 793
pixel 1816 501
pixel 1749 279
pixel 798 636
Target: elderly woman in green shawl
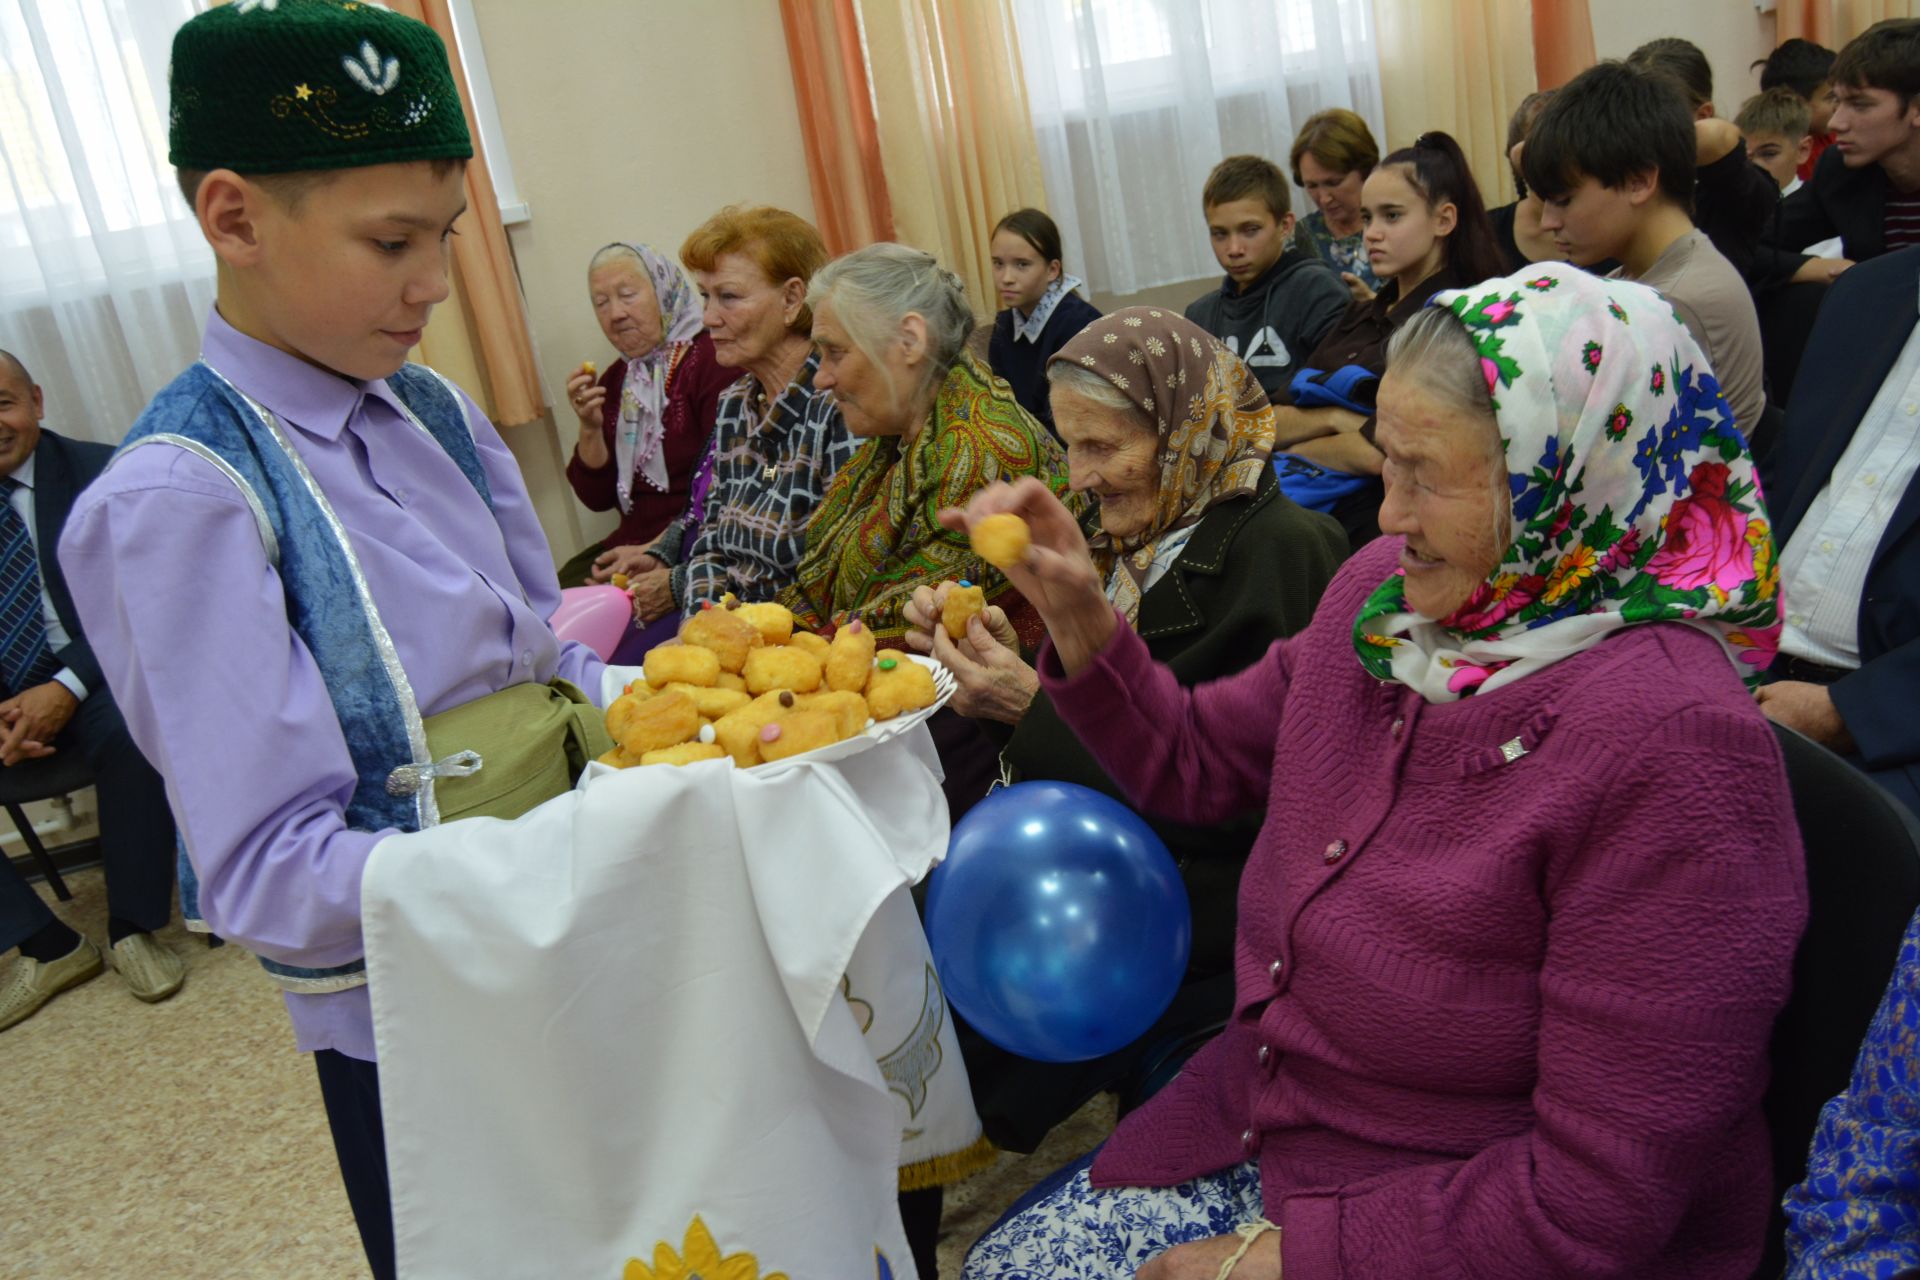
pixel 891 328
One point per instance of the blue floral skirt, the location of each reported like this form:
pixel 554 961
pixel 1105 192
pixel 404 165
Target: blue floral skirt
pixel 1078 1232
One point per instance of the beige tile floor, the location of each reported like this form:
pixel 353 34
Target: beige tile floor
pixel 147 1142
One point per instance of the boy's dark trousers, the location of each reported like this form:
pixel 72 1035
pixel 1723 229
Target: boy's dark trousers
pixel 351 1090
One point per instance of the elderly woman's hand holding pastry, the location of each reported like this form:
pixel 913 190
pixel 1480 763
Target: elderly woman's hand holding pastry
pixel 991 680
pixel 1057 576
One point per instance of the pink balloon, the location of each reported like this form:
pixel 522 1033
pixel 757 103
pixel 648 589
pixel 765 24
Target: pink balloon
pixel 596 616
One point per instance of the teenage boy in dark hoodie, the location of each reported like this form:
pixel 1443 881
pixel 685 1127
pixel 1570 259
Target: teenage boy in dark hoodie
pixel 1276 302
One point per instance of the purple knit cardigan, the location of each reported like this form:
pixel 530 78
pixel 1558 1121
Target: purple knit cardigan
pixel 1506 967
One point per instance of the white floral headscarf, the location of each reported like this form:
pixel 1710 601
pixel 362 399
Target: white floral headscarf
pixel 1634 497
pixel 643 396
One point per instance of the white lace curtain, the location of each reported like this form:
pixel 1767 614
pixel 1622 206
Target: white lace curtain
pixel 1135 100
pixel 104 278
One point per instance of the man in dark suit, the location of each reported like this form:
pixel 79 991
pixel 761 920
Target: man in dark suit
pixel 53 698
pixel 1847 528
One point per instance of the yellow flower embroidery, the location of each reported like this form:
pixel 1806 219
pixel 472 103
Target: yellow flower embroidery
pixel 1574 568
pixel 1132 322
pixel 1156 314
pixel 1156 346
pixel 1766 574
pixel 702 1261
pixel 1111 338
pixel 302 92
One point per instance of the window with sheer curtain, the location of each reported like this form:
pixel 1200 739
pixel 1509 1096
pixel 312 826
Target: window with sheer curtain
pixel 1133 101
pixel 105 281
pixel 104 278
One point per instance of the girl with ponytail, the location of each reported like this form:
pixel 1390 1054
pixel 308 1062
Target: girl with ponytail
pixel 1425 229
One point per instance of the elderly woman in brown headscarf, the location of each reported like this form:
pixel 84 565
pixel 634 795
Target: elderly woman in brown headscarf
pixel 1208 561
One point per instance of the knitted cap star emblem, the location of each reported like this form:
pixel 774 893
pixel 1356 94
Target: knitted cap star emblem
pixel 279 86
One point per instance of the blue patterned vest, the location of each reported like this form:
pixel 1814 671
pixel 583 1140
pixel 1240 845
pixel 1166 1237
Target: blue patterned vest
pixel 328 602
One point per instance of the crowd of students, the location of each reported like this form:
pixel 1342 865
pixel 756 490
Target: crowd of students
pixel 1679 375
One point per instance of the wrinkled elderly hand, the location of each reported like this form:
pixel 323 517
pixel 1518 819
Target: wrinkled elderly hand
pixel 587 397
pixel 652 595
pixel 1807 707
pixel 1058 577
pixel 990 680
pixel 1202 1259
pixel 632 561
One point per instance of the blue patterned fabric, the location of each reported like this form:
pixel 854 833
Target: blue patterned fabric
pixel 1077 1232
pixel 1858 1211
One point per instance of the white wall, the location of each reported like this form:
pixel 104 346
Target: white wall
pixel 1729 32
pixel 627 120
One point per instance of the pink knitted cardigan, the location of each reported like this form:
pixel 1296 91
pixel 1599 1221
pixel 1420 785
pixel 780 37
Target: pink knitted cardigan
pixel 1506 967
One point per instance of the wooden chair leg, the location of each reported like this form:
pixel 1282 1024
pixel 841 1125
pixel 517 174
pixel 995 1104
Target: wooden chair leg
pixel 39 852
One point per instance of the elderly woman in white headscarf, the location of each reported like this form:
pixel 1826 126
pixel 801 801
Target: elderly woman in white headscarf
pixel 1525 903
pixel 644 419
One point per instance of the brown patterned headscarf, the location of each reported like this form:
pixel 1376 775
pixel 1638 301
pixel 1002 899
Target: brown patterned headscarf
pixel 1215 426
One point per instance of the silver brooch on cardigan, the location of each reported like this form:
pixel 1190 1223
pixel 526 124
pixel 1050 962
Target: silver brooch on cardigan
pixel 1512 750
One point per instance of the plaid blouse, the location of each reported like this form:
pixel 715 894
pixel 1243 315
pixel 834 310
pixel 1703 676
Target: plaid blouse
pixel 767 479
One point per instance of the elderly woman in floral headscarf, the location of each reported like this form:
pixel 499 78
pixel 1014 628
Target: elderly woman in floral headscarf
pixel 644 420
pixel 1203 555
pixel 1513 937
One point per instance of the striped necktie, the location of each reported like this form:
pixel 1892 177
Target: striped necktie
pixel 25 659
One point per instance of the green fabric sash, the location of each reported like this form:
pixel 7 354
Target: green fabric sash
pixel 533 741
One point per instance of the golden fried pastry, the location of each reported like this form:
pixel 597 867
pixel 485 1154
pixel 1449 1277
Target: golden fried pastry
pixel 795 732
pixel 963 601
pixel 621 710
pixel 618 758
pixel 725 632
pixel 712 703
pixel 729 680
pixel 685 753
pixel 738 732
pixel 774 622
pixel 899 685
pixel 848 709
pixel 1001 539
pixel 850 657
pixel 681 664
pixel 782 667
pixel 665 720
pixel 813 644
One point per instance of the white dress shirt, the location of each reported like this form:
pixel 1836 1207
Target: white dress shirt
pixel 21 500
pixel 1824 569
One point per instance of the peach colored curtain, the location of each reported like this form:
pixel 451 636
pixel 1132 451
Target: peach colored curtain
pixel 1834 22
pixel 956 139
pixel 1562 41
pixel 1462 67
pixel 850 202
pixel 479 336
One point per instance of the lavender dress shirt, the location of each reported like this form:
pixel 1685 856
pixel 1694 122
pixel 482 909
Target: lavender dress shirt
pixel 188 620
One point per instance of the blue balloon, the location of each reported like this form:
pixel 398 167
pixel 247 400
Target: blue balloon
pixel 1058 922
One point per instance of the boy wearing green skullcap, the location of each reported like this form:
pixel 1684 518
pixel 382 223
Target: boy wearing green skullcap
pixel 312 574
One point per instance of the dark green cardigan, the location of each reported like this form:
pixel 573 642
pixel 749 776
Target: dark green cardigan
pixel 1252 572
